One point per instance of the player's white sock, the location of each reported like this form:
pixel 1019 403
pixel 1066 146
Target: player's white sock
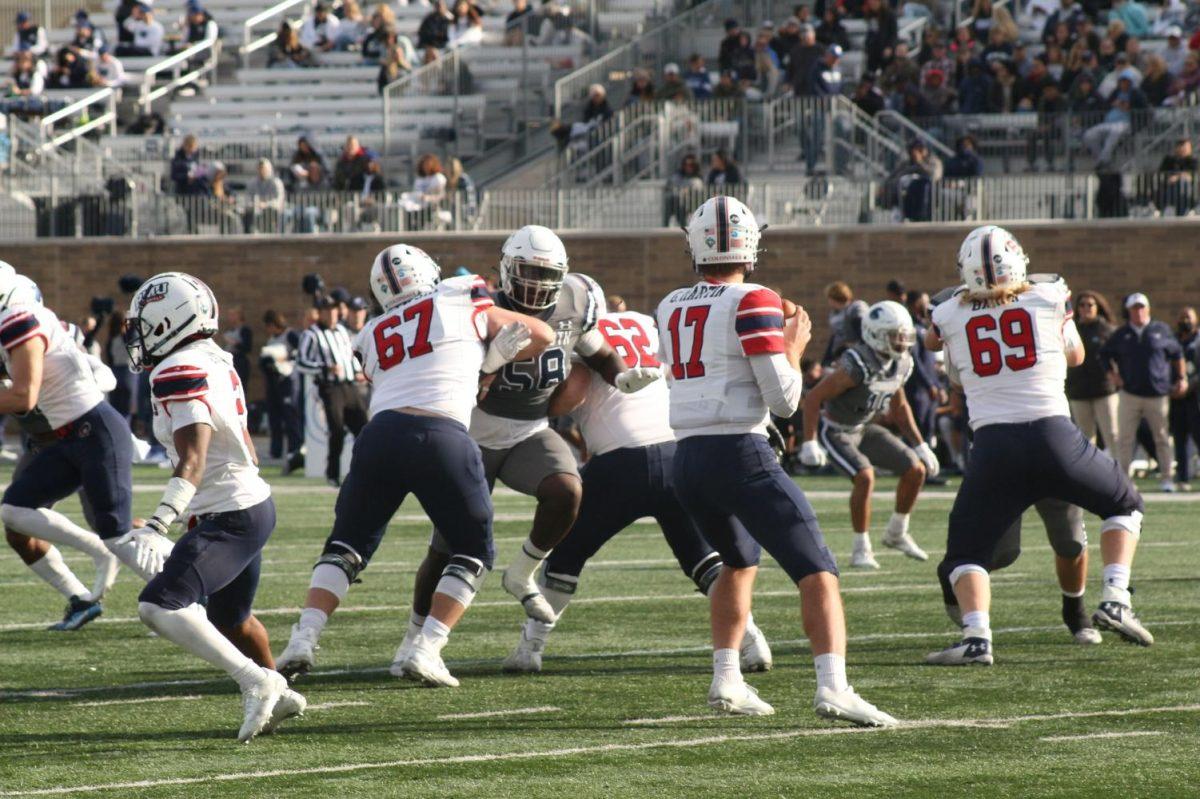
pixel 831 672
pixel 537 630
pixel 526 562
pixel 313 619
pixel 190 629
pixel 727 665
pixel 415 622
pixel 1116 584
pixel 898 524
pixel 435 633
pixel 51 568
pixel 862 542
pixel 977 624
pixel 52 526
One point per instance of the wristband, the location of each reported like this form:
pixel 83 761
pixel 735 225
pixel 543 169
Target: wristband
pixel 492 361
pixel 175 500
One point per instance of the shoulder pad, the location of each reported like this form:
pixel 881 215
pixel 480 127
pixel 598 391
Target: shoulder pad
pixel 947 293
pixel 584 298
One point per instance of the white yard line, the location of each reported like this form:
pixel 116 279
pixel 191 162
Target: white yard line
pixel 650 722
pixel 677 743
pixel 1095 735
pixel 138 701
pixel 331 705
pixel 487 714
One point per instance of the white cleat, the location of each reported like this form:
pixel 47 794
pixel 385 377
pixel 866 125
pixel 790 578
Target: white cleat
pixel 403 652
pixel 738 699
pixel 290 705
pixel 258 704
pixel 1087 636
pixel 1120 619
pixel 107 567
pixel 755 653
pixel 967 651
pixel 530 597
pixel 848 706
pixel 863 559
pixel 299 656
pixel 425 666
pixel 904 543
pixel 527 657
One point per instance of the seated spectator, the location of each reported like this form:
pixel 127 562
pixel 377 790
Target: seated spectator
pixel 353 28
pixel 380 35
pixel 1084 103
pixel 939 58
pixel 147 32
pixel 597 110
pixel 187 173
pixel 981 19
pixel 459 184
pixel 29 37
pixel 435 27
pixel 1176 51
pixel 287 52
pixel 789 37
pixel 1156 81
pixel 395 66
pixel 1121 64
pixel 467 28
pixel 1133 15
pixel 867 95
pixel 965 163
pixel 1123 103
pixel 109 68
pixel 557 26
pixel 320 31
pixel 831 30
pixel 935 92
pixel 727 86
pixel 1178 175
pixel 199 26
pixel 429 186
pixel 999 45
pixel 70 72
pixel 742 58
pixel 641 88
pixel 684 192
pixel 1055 62
pixel 697 77
pixel 673 88
pixel 124 12
pixel 348 172
pixel 731 42
pixel 1008 90
pixel 901 72
pixel 27 78
pixel 306 155
pixel 975 89
pixel 909 188
pixel 88 38
pixel 964 48
pixel 265 196
pixel 519 23
pixel 1188 80
pixel 723 171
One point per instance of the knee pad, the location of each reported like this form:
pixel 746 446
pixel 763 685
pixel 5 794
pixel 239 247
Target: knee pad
pixel 1132 524
pixel 462 579
pixel 343 557
pixel 706 573
pixel 958 572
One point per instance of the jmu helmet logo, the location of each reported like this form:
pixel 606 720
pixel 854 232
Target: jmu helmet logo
pixel 153 293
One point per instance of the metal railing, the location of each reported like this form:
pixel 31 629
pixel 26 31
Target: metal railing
pixel 273 15
pixel 448 76
pixel 186 66
pixel 82 122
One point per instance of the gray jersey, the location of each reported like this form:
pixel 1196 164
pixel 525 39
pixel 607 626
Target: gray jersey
pixel 876 380
pixel 522 389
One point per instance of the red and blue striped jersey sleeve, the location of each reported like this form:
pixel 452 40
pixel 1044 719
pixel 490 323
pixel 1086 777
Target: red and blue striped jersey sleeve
pixel 759 323
pixel 18 328
pixel 178 383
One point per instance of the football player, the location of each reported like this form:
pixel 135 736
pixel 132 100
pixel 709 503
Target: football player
pixel 424 355
pixel 732 358
pixel 628 477
pixel 200 418
pixel 511 425
pixel 869 382
pixel 1011 340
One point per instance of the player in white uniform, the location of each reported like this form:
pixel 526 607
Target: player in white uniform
pixel 731 359
pixel 424 356
pixel 200 418
pixel 627 477
pixel 1011 340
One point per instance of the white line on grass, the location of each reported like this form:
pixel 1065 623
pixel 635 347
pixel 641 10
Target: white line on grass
pixel 331 705
pixel 1054 739
pixel 487 714
pixel 679 743
pixel 137 701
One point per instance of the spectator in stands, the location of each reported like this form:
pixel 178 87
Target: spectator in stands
pixel 347 173
pixel 831 30
pixel 965 163
pixel 27 79
pixel 683 191
pixel 789 37
pixel 224 202
pixel 1146 363
pixel 1090 387
pixel 29 36
pixel 519 23
pixel 148 34
pixel 935 92
pixel 1188 80
pixel 459 184
pixel 558 26
pixel 287 52
pixel 1084 103
pixel 743 61
pixel 697 77
pixel 766 66
pixel 1178 171
pixel 395 66
pixel 353 28
pixel 909 188
pixel 70 72
pixel 727 86
pixel 1125 101
pixel 199 25
pixel 1176 51
pixel 673 86
pixel 187 173
pixel 800 60
pixel 723 172
pixel 1184 414
pixel 731 42
pixel 265 197
pixel 1051 106
pixel 381 34
pixel 88 38
pixel 467 28
pixel 1133 15
pixel 964 48
pixel 901 73
pixel 1008 90
pixel 435 27
pixel 109 68
pixel 320 31
pixel 124 12
pixel 428 193
pixel 881 33
pixel 597 110
pixel 867 95
pixel 981 19
pixel 975 89
pixel 1121 66
pixel 641 88
pixel 939 58
pixel 1156 81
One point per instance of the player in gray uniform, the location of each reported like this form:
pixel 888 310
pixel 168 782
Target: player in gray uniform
pixel 510 423
pixel 869 383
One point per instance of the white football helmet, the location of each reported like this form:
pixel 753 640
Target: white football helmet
pixel 989 258
pixel 167 311
pixel 8 282
pixel 533 264
pixel 723 231
pixel 402 271
pixel 24 292
pixel 888 329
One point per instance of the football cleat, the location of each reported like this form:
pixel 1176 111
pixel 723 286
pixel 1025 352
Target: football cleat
pixel 904 543
pixel 1087 636
pixel 848 706
pixel 755 652
pixel 968 650
pixel 1123 621
pixel 106 574
pixel 79 612
pixel 425 666
pixel 863 559
pixel 404 651
pixel 737 698
pixel 527 593
pixel 527 657
pixel 290 705
pixel 299 656
pixel 258 704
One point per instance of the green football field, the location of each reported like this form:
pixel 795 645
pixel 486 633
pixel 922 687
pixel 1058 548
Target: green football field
pixel 620 709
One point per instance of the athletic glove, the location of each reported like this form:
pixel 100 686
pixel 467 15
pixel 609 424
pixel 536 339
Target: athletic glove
pixel 144 550
pixel 812 455
pixel 932 467
pixel 506 344
pixel 637 378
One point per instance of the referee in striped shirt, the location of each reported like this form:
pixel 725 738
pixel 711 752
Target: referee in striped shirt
pixel 326 355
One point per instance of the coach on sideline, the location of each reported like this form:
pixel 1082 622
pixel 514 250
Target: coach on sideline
pixel 1147 365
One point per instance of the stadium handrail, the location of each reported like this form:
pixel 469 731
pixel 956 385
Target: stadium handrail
pixel 48 140
pixel 148 92
pixel 423 77
pixel 915 131
pixel 248 46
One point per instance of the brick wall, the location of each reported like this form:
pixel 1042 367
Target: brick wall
pixel 1159 257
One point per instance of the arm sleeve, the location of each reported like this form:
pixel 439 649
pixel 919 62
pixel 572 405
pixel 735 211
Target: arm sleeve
pixel 780 384
pixel 104 377
pixel 590 343
pixel 18 328
pixel 759 324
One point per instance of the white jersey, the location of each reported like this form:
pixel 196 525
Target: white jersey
pixel 1010 356
pixel 427 351
pixel 609 419
pixel 197 384
pixel 68 389
pixel 709 332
